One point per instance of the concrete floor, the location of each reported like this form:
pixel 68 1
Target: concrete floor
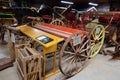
pixel 98 68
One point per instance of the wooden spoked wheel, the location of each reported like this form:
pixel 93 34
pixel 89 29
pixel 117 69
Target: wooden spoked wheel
pixel 38 20
pixel 73 54
pixel 57 22
pixel 97 36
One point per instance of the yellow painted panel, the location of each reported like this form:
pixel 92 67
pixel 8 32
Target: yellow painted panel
pixel 53 48
pixel 34 33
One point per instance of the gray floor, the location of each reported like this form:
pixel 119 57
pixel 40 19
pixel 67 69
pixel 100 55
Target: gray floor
pixel 98 68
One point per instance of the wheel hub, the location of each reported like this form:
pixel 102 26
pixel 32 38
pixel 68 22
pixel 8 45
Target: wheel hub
pixel 96 41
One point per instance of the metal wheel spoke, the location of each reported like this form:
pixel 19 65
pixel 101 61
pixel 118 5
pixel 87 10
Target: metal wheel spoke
pixel 100 37
pixel 96 45
pixel 93 35
pixel 92 44
pixel 91 40
pixel 100 33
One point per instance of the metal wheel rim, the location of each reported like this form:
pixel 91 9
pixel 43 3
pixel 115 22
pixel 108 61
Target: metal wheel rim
pixel 97 36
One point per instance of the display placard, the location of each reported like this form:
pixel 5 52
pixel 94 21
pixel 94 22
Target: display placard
pixel 44 39
pixel 97 30
pixel 77 40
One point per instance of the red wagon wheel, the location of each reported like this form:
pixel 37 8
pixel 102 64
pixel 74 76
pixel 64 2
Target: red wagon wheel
pixel 73 54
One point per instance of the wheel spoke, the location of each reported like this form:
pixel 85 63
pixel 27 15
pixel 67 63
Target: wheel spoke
pixel 72 46
pixel 100 37
pixel 67 65
pixel 94 47
pixel 79 59
pixel 92 44
pixel 84 49
pixel 84 55
pixel 79 49
pixel 70 72
pixel 77 46
pixel 91 40
pixel 76 66
pixel 93 35
pixel 67 59
pixel 84 44
pixel 69 52
pixel 100 33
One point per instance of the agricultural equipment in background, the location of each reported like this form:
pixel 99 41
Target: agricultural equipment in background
pixel 69 17
pixel 44 12
pixel 112 31
pixel 41 14
pixel 65 15
pixel 7 20
pixel 111 21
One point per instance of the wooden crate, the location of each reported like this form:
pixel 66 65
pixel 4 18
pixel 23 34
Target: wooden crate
pixel 29 63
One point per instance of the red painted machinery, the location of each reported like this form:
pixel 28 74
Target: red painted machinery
pixel 112 30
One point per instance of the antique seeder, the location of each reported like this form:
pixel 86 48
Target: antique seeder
pixel 73 46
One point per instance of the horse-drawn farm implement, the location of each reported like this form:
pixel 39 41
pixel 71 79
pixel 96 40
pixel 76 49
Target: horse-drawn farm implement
pixel 69 49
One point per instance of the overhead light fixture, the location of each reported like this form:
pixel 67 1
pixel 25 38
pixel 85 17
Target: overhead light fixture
pixel 93 4
pixel 91 9
pixel 67 2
